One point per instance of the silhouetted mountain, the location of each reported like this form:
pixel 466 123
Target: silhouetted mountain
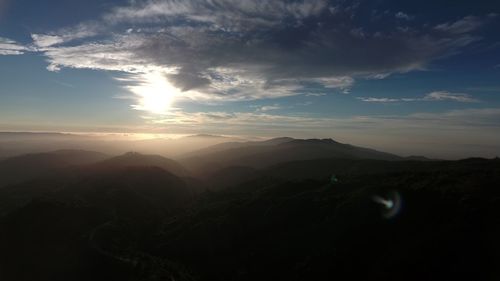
pixel 419 158
pixel 274 151
pixel 324 168
pixel 132 159
pixel 142 170
pixel 275 229
pixel 30 166
pixel 205 136
pixel 127 218
pixel 231 176
pixel 230 145
pixel 69 222
pixel 148 187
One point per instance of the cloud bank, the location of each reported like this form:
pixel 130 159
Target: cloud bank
pixel 226 50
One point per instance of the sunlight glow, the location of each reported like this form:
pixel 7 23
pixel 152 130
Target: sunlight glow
pixel 155 94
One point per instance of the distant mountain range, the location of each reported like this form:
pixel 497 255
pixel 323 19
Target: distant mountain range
pixel 262 154
pixel 265 210
pixel 221 158
pixel 134 159
pixel 19 143
pixel 29 166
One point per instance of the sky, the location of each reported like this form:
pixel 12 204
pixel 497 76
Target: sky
pixel 419 77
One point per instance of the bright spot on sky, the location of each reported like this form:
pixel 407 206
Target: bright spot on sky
pixel 155 94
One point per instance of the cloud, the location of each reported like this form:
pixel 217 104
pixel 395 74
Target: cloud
pixel 404 16
pixel 269 107
pixel 378 76
pixel 65 35
pixel 115 54
pixel 433 96
pixel 463 25
pixel 231 50
pixel 443 96
pixel 315 94
pixel 229 14
pixel 343 82
pixel 11 47
pixel 381 100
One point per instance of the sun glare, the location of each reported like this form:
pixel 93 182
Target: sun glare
pixel 155 94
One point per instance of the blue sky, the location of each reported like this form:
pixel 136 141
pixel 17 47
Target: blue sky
pixel 422 76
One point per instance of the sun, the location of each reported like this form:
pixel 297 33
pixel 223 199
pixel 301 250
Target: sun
pixel 154 92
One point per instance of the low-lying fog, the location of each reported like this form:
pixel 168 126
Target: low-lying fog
pixel 14 143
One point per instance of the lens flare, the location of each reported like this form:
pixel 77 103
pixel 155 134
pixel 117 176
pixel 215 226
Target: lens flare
pixel 391 204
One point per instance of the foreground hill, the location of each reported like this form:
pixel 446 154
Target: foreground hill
pixel 131 159
pixel 60 175
pixel 25 167
pixel 445 226
pixel 126 218
pixel 58 234
pixel 274 151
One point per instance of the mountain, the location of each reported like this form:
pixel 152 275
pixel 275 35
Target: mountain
pixel 174 147
pixel 144 187
pixel 231 176
pixel 130 218
pixel 205 136
pixel 134 159
pixel 444 219
pixel 320 169
pixel 19 143
pixel 266 153
pixel 25 167
pixel 418 158
pixel 230 145
pixel 50 173
pixel 87 228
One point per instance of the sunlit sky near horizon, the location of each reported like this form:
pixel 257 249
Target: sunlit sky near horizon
pixel 403 77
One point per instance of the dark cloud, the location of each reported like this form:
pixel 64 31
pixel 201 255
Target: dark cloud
pixel 187 81
pixel 226 47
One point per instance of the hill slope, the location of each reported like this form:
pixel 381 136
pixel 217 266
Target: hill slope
pixel 132 159
pixel 274 151
pixel 25 167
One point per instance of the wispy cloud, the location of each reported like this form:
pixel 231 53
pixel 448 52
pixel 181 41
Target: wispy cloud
pixel 378 76
pixel 443 96
pixel 463 25
pixel 65 35
pixel 235 14
pixel 404 16
pixel 433 96
pixel 342 82
pixel 269 107
pixel 11 47
pixel 315 94
pixel 232 50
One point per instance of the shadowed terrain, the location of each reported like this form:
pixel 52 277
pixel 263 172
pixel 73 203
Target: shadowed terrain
pixel 283 209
